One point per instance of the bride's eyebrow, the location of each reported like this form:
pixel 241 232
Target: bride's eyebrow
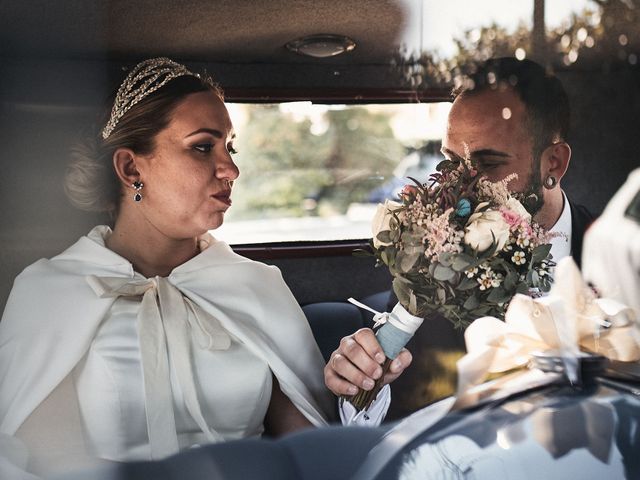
pixel 213 132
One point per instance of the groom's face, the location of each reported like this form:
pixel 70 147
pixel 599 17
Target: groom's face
pixel 491 127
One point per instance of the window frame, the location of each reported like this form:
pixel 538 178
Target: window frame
pixel 348 96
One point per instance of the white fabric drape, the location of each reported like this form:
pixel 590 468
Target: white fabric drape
pixel 53 314
pixel 163 320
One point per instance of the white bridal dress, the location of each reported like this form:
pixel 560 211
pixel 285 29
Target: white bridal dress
pixel 97 361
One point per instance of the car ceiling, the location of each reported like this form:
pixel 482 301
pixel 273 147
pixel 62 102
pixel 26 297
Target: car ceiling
pixel 238 31
pixel 241 42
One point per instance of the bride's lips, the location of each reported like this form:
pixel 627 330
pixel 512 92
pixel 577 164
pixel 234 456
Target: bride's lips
pixel 224 197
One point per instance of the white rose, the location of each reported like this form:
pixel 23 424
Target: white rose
pixel 480 227
pixel 516 207
pixel 381 220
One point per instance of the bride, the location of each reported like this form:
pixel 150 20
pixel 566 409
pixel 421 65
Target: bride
pixel 151 336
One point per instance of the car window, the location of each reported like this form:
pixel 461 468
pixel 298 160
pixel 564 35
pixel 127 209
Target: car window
pixel 316 171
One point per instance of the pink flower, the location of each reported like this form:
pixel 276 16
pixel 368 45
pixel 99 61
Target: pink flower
pixel 511 217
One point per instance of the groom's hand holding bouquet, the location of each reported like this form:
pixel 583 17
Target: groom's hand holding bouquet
pixel 461 246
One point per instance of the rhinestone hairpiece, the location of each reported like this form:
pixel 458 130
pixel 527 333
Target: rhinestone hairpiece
pixel 145 78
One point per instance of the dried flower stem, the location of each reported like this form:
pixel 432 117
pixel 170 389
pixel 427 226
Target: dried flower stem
pixel 362 400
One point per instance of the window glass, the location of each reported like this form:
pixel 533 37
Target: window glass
pixel 316 172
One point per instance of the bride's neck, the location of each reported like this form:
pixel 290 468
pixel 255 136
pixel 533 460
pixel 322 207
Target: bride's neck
pixel 151 252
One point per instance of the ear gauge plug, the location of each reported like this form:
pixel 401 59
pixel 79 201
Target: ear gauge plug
pixel 550 181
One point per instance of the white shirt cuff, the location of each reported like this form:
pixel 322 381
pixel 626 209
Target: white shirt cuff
pixel 372 417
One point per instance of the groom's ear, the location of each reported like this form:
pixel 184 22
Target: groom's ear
pixel 555 160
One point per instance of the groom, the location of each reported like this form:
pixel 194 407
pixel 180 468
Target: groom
pixel 510 116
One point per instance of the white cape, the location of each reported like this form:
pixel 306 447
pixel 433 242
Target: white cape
pixel 52 316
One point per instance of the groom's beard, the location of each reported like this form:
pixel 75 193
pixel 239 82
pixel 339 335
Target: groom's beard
pixel 532 196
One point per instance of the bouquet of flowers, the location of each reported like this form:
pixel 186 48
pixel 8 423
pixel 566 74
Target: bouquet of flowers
pixel 460 245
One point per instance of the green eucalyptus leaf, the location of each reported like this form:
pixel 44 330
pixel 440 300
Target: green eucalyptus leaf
pixel 540 253
pixel 482 310
pixel 432 268
pixel 406 261
pixel 414 249
pixel 495 294
pixel 442 273
pixel 535 278
pixel 391 253
pixel 461 262
pixel 510 280
pixel 384 256
pixel 471 303
pixel 446 259
pixel 401 289
pixel 384 236
pixel 499 295
pixel 467 283
pixel 529 277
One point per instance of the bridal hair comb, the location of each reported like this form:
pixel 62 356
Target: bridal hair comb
pixel 145 78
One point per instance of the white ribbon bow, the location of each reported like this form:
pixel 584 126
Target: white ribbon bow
pixel 163 321
pixel 399 317
pixel 569 319
pixel 379 318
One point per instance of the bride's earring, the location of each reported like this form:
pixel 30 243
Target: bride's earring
pixel 138 186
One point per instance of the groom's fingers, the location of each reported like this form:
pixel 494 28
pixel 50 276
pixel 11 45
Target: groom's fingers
pixel 344 378
pixel 399 364
pixel 364 352
pixel 354 364
pixel 368 341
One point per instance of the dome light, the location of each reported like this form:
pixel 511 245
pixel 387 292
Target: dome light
pixel 321 46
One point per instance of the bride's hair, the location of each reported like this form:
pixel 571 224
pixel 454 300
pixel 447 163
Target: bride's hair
pixel 91 183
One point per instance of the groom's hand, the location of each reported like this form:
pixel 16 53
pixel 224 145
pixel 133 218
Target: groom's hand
pixel 357 363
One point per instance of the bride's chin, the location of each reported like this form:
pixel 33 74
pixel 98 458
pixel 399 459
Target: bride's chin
pixel 215 222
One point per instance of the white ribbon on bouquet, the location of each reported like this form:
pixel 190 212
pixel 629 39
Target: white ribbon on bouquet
pixel 569 320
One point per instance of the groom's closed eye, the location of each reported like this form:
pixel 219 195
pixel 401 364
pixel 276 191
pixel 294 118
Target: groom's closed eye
pixel 490 164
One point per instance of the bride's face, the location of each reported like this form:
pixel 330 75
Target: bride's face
pixel 188 176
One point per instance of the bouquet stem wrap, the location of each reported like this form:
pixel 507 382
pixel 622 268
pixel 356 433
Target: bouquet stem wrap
pixel 395 330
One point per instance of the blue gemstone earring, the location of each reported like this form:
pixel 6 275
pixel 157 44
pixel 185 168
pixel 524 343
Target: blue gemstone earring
pixel 138 186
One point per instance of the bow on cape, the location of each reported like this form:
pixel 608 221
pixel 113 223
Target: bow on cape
pixel 163 321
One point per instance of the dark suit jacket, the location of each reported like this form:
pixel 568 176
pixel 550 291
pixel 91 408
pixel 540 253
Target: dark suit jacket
pixel 581 218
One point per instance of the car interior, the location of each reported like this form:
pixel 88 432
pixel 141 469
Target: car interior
pixel 333 102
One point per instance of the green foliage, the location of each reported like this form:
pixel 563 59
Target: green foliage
pixel 282 162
